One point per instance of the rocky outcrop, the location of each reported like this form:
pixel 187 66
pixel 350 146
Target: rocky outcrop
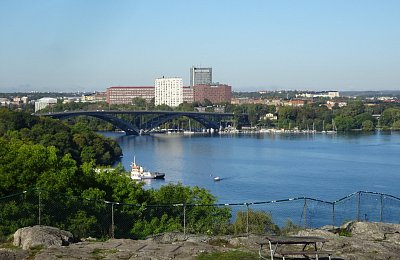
pixel 353 241
pixel 41 236
pixel 361 240
pixel 373 230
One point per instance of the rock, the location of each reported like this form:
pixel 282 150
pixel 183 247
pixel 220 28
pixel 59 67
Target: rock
pixel 318 233
pixel 7 254
pixel 373 230
pixel 44 236
pixel 174 245
pixel 167 237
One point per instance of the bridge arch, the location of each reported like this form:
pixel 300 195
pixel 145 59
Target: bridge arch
pixel 160 118
pixel 125 126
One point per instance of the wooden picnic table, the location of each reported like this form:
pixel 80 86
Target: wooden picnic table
pixel 275 241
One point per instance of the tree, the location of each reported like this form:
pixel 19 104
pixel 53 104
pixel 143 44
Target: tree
pixel 367 125
pixel 207 102
pixel 139 103
pixel 260 222
pixel 344 123
pixel 396 125
pixel 361 118
pixel 389 116
pixel 185 106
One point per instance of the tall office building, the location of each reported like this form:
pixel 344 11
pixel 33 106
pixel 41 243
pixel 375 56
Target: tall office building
pixel 168 91
pixel 200 76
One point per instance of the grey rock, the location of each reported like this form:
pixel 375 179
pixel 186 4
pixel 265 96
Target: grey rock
pixel 367 241
pixel 372 230
pixel 10 254
pixel 44 236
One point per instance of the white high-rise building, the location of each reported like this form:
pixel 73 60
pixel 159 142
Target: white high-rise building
pixel 168 91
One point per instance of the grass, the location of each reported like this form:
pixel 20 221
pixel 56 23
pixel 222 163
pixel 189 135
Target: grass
pixel 8 245
pixel 99 253
pixel 33 251
pixel 344 233
pixel 220 242
pixel 230 255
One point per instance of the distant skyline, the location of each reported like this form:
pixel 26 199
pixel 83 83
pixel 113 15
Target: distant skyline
pixel 76 45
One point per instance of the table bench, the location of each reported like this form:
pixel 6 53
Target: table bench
pixel 305 253
pixel 275 241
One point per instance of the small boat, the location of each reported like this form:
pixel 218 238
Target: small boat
pixel 217 178
pixel 139 173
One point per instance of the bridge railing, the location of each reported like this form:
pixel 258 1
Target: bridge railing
pixel 96 218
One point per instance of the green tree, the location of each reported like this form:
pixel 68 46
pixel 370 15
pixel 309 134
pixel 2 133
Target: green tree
pixel 260 222
pixel 396 125
pixel 389 116
pixel 344 123
pixel 367 125
pixel 139 103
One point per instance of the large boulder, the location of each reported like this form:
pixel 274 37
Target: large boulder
pixel 44 236
pixel 373 230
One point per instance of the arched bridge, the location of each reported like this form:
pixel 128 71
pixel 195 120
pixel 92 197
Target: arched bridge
pixel 136 123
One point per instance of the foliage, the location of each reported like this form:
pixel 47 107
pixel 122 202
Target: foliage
pixel 229 255
pixel 290 228
pixel 396 125
pixel 389 116
pixel 344 233
pixel 199 219
pixel 54 165
pixel 260 222
pixel 73 198
pixel 81 143
pixel 367 125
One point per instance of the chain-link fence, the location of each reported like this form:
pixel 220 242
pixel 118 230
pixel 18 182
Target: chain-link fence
pixel 95 218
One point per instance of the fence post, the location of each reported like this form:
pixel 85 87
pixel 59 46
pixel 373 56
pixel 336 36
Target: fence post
pixel 381 213
pixel 112 219
pixel 184 220
pixel 40 206
pixel 247 219
pixel 305 212
pixel 333 214
pixel 358 206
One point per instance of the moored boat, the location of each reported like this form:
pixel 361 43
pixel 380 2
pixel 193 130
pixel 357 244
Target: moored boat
pixel 139 173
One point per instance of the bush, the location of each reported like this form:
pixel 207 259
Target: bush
pixel 260 222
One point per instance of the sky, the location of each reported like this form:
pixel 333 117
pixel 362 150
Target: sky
pixel 90 45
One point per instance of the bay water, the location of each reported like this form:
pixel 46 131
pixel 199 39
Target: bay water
pixel 264 167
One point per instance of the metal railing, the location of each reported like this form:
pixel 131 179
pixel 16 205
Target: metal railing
pixel 89 217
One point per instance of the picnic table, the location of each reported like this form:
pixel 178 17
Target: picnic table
pixel 275 242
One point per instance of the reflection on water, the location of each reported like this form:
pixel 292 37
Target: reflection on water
pixel 270 166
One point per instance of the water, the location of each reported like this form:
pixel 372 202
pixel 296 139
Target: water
pixel 267 167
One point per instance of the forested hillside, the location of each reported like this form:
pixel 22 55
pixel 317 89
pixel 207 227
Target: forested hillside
pixel 48 167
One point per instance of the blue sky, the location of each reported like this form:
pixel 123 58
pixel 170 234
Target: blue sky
pixel 87 45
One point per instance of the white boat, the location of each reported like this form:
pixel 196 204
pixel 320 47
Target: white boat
pixel 139 173
pixel 216 178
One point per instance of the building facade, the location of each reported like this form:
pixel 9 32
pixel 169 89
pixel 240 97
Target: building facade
pixel 125 95
pixel 188 95
pixel 168 91
pixel 44 102
pixel 218 93
pixel 200 76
